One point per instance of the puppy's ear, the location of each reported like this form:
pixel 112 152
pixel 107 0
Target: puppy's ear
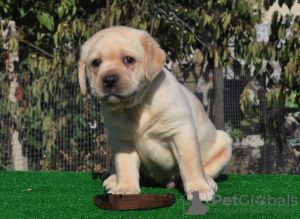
pixel 155 56
pixel 82 74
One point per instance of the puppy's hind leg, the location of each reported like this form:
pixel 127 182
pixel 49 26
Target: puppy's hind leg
pixel 190 165
pixel 220 156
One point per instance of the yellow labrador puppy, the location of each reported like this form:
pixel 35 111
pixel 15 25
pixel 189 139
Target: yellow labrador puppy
pixel 157 127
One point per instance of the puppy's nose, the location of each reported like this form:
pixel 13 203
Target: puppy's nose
pixel 110 81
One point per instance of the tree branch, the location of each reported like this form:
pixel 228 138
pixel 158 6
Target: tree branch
pixel 152 23
pixel 32 45
pixel 37 48
pixel 185 24
pixel 141 8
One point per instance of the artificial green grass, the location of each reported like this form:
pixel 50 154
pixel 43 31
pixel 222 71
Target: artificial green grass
pixel 70 195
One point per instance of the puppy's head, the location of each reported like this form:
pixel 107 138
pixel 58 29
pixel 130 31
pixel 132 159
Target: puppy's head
pixel 119 63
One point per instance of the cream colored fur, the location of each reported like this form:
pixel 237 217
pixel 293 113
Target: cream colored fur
pixel 156 125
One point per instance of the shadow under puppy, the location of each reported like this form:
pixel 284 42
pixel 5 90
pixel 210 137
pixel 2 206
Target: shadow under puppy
pixel 157 127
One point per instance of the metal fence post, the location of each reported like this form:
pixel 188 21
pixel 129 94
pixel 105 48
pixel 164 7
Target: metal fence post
pixel 219 98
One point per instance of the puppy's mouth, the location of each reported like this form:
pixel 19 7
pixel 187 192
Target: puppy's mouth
pixel 114 100
pixel 115 97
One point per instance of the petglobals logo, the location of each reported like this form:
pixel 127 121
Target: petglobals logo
pixel 196 207
pixel 246 200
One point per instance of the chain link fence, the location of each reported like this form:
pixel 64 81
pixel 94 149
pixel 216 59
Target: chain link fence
pixel 62 135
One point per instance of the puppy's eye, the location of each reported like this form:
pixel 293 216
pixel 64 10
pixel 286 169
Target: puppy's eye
pixel 96 63
pixel 129 60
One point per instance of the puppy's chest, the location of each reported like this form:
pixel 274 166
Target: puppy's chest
pixel 122 128
pixel 140 128
pixel 147 132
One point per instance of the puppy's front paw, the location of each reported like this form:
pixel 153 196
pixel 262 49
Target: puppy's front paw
pixel 125 190
pixel 110 182
pixel 212 183
pixel 204 192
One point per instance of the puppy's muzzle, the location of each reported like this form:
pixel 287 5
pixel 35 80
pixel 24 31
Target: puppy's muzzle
pixel 110 82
